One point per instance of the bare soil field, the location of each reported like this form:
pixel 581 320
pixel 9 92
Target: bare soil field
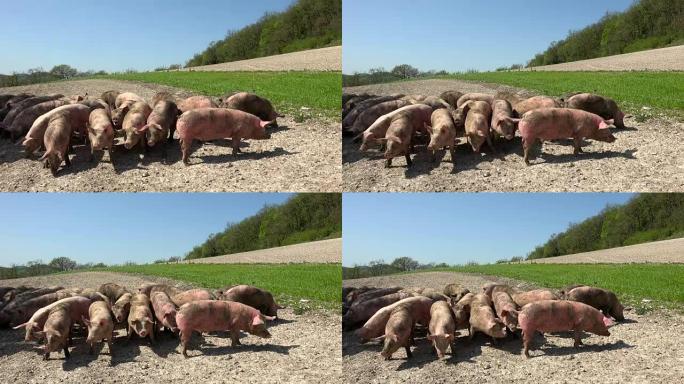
pixel 661 59
pixel 297 157
pixel 304 348
pixel 324 251
pixel 646 157
pixel 644 348
pixel 666 251
pixel 322 59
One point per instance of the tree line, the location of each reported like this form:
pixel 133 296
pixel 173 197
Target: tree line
pixel 381 75
pixel 647 24
pixel 646 217
pixel 307 24
pixel 304 217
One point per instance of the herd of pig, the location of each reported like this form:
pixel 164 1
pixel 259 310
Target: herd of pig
pixel 393 314
pixel 52 122
pixel 398 121
pixel 52 314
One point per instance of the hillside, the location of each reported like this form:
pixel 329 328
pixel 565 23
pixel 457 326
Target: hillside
pixel 647 24
pixel 305 217
pixel 665 251
pixel 645 218
pixel 306 24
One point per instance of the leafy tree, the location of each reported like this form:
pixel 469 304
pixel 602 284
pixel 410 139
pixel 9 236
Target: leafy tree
pixel 405 71
pixel 405 264
pixel 63 263
pixel 64 71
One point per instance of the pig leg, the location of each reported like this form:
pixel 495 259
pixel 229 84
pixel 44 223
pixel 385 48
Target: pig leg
pixel 527 339
pixel 490 144
pixel 236 145
pixel 526 150
pixel 578 340
pixel 91 349
pixel 152 336
pixel 185 150
pixel 408 160
pixel 433 158
pixel 46 356
pixel 388 163
pixel 129 333
pixel 452 152
pixel 66 351
pixel 185 339
pixel 408 352
pixel 578 145
pixel 234 337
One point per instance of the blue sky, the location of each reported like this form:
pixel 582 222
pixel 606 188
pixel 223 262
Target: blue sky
pixel 457 35
pixel 459 227
pixel 117 227
pixel 121 34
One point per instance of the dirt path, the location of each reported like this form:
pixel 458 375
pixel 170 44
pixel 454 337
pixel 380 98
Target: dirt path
pixel 297 158
pixel 642 349
pixel 324 251
pixel 666 251
pixel 303 348
pixel 322 59
pixel 661 59
pixel 646 157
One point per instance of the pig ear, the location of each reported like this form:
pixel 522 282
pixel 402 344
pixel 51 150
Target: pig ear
pixel 266 124
pixel 607 321
pixel 427 127
pixel 143 128
pixel 256 320
pixel 610 121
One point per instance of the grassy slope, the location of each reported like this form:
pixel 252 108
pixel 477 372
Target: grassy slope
pixel 288 91
pixel 632 282
pixel 631 90
pixel 319 283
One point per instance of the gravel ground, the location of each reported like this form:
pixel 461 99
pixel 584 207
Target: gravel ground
pixel 297 158
pixel 322 59
pixel 324 251
pixel 646 157
pixel 661 59
pixel 644 348
pixel 666 251
pixel 304 348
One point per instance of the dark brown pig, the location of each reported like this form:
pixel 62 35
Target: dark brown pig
pixel 398 332
pixel 122 307
pixel 161 124
pixel 442 328
pixel 563 292
pixel 372 294
pixel 442 133
pixel 22 123
pixel 19 107
pixel 140 319
pixel 599 105
pixel 254 297
pixel 451 97
pixel 601 299
pixel 251 103
pixel 506 309
pixel 375 326
pixel 478 118
pixel 435 103
pixel 57 141
pixel 135 119
pixel 535 102
pixel 503 123
pixel 370 115
pixel 25 310
pixel 377 131
pixel 350 118
pixel 558 316
pixel 164 311
pixel 192 295
pixel 217 123
pixel 489 99
pixel 219 315
pixel 100 325
pixel 360 312
pixel 109 97
pixel 483 319
pixel 78 115
pixel 523 298
pixel 100 132
pixel 562 123
pixel 113 291
pixel 196 102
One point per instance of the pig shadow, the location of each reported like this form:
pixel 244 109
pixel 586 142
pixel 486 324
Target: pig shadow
pixel 229 158
pixel 279 128
pixel 79 355
pixel 12 342
pixel 571 350
pixel 166 343
pixel 570 158
pixel 351 345
pixel 212 350
pixel 280 321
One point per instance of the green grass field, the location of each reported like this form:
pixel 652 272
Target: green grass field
pixel 631 90
pixel 289 283
pixel 288 91
pixel 663 283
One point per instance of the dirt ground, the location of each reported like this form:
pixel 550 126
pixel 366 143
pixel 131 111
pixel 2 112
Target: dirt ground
pixel 646 157
pixel 303 348
pixel 666 251
pixel 324 251
pixel 662 59
pixel 322 59
pixel 297 157
pixel 644 348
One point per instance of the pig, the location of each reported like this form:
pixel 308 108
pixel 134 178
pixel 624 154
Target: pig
pixel 251 103
pixel 561 123
pixel 355 293
pixel 478 118
pixel 506 309
pixel 56 332
pixel 370 115
pixel 398 332
pixel 601 299
pixel 100 132
pixel 351 117
pixel 523 298
pixel 563 293
pixel 192 295
pixel 398 139
pixel 466 300
pixel 599 105
pixel 503 123
pixel 123 104
pixel 483 319
pixel 433 294
pixel 558 316
pixel 218 315
pixel 112 291
pixel 161 123
pixel 218 123
pixel 133 122
pixel 78 115
pixel 5 97
pixel 442 328
pixel 535 102
pixel 127 98
pixel 162 96
pixel 57 142
pixel 37 320
pixel 376 132
pixel 254 297
pixel 360 312
pixel 140 319
pixel 23 121
pixel 372 294
pixel 435 103
pixel 149 289
pixel 8 105
pixel 350 104
pixel 451 97
pixel 25 310
pixel 100 325
pixel 196 102
pixel 442 133
pixel 374 327
pixel 491 288
pixel 122 307
pixel 455 291
pixel 109 97
pixel 489 99
pixel 164 311
pixel 17 108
